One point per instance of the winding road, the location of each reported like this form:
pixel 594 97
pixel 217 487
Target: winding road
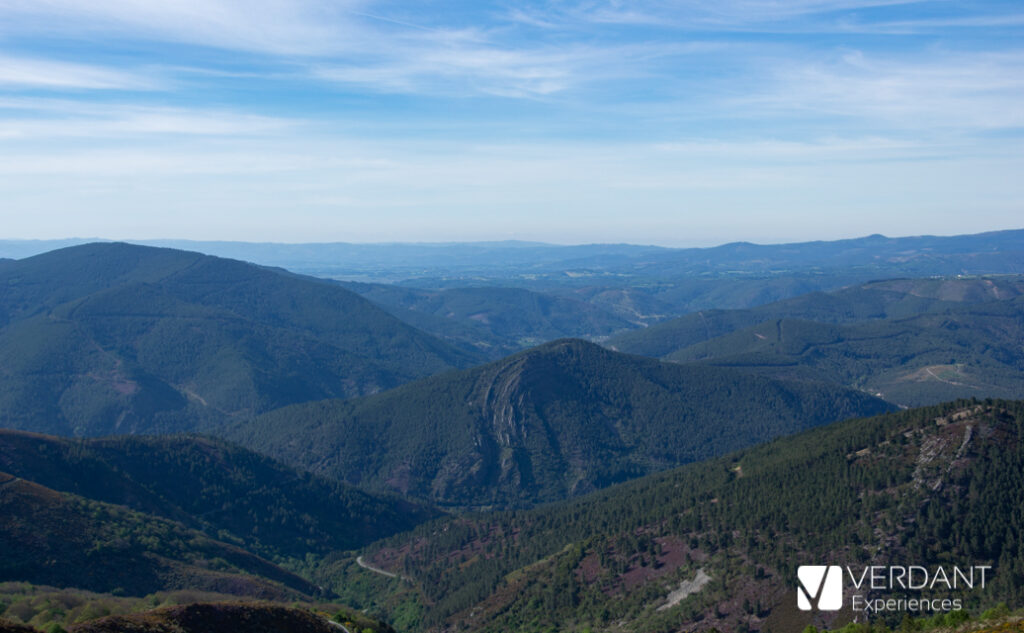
pixel 365 565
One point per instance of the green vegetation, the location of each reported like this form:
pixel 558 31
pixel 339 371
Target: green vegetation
pixel 74 610
pixel 115 338
pixel 227 492
pixel 106 338
pixel 969 352
pixel 64 540
pixel 913 342
pixel 558 420
pixel 935 485
pixel 889 299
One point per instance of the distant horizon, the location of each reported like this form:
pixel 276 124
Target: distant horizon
pixel 495 242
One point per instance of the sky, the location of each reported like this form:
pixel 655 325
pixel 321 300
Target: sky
pixel 678 123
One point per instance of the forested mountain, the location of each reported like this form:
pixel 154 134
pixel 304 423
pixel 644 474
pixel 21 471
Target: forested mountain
pixel 64 540
pixel 106 338
pixel 717 543
pixel 972 351
pixel 893 299
pixel 495 321
pixel 223 490
pixel 561 419
pixel 569 442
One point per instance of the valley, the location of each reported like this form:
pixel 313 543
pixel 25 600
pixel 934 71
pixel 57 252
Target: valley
pixel 541 316
pixel 653 443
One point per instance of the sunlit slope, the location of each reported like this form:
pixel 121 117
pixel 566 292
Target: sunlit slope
pixel 558 420
pixel 105 338
pixel 931 486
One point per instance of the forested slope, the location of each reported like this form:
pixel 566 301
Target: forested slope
pixel 558 420
pixel 209 485
pixel 114 338
pixel 928 486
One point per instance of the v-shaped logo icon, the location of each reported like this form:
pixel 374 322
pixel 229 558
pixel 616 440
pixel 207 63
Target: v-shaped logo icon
pixel 820 587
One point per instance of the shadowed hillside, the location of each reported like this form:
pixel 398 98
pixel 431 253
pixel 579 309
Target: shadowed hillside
pixel 210 485
pixel 64 540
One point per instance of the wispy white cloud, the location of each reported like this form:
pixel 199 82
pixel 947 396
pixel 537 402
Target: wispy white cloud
pixel 943 91
pixel 343 42
pixel 37 119
pixel 935 25
pixel 683 109
pixel 22 72
pixel 721 15
pixel 466 69
pixel 290 27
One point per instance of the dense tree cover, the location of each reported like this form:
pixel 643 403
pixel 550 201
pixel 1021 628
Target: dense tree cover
pixel 935 485
pixel 972 351
pixel 892 299
pixel 64 540
pixel 224 490
pixel 105 338
pixel 558 420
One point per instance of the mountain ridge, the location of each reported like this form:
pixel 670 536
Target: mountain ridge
pixel 560 419
pixel 108 338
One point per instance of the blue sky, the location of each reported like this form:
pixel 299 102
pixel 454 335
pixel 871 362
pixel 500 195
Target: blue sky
pixel 676 123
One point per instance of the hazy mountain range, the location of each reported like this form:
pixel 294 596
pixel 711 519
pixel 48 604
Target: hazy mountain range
pixel 516 437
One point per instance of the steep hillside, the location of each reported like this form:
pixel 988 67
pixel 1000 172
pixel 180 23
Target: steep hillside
pixel 892 299
pixel 106 338
pixel 64 540
pixel 210 485
pixel 558 420
pixel 715 545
